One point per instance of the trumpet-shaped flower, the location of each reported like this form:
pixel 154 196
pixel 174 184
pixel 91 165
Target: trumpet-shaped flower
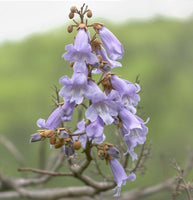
pixel 74 88
pixel 120 175
pixel 62 113
pixel 134 137
pixel 111 43
pixel 95 130
pixel 81 50
pixel 104 106
pixel 128 92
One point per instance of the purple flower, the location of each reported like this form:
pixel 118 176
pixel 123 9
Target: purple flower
pixel 62 113
pixel 35 137
pixel 95 130
pixel 134 137
pixel 111 43
pixel 81 50
pixel 114 152
pixel 120 175
pixel 129 120
pixel 69 151
pixel 112 63
pixel 74 88
pixel 104 106
pixel 128 92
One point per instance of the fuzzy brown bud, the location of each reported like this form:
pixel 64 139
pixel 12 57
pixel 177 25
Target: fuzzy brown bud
pixel 89 13
pixel 70 29
pixel 71 64
pixel 58 144
pixel 77 145
pixel 71 15
pixel 73 9
pixel 52 139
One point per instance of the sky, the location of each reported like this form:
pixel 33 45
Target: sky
pixel 18 19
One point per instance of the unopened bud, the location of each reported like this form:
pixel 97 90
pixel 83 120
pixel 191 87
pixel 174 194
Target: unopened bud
pixel 89 13
pixel 52 139
pixel 58 144
pixel 71 64
pixel 73 9
pixel 71 15
pixel 70 29
pixel 77 145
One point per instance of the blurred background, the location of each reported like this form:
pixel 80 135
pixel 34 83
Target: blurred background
pixel 157 36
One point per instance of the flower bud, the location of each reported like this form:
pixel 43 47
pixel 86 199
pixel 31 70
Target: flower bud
pixel 73 9
pixel 71 15
pixel 89 13
pixel 70 29
pixel 52 139
pixel 58 144
pixel 77 145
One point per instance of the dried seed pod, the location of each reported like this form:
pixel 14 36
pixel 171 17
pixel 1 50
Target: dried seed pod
pixel 70 29
pixel 52 139
pixel 71 15
pixel 89 13
pixel 73 9
pixel 77 145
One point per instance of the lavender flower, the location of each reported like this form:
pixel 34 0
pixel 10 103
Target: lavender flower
pixel 111 43
pixel 134 137
pixel 120 175
pixel 95 130
pixel 104 106
pixel 112 63
pixel 74 88
pixel 81 50
pixel 62 113
pixel 127 91
pixel 129 120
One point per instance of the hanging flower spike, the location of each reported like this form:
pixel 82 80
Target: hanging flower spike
pixel 127 91
pixel 120 175
pixel 81 50
pixel 74 88
pixel 112 45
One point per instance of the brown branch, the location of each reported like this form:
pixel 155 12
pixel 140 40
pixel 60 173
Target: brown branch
pixel 39 171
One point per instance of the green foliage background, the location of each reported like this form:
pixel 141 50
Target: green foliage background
pixel 161 51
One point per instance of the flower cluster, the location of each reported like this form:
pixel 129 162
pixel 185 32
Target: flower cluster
pixel 114 104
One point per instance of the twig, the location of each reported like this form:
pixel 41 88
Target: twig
pixel 39 171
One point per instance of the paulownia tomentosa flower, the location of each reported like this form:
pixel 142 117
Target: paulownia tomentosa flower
pixel 114 104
